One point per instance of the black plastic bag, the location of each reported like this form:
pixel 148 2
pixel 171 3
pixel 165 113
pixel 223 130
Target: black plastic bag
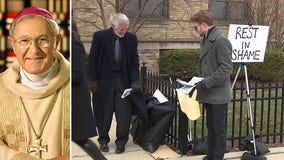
pixel 247 144
pixel 156 132
pixel 158 110
pixel 250 156
pixel 200 146
pixel 151 135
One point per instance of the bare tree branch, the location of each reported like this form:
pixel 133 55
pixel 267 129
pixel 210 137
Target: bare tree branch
pixel 122 5
pixel 269 13
pixel 110 2
pixel 93 23
pixel 140 20
pixel 103 16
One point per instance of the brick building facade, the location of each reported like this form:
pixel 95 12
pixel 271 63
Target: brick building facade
pixel 173 31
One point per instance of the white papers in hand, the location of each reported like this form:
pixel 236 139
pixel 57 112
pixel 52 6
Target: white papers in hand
pixel 184 83
pixel 195 80
pixel 159 95
pixel 188 86
pixel 191 82
pixel 126 92
pixel 185 89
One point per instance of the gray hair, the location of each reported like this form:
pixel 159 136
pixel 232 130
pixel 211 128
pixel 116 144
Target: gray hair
pixel 54 27
pixel 119 18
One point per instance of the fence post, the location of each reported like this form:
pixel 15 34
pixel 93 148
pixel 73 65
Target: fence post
pixel 282 113
pixel 142 78
pixel 183 128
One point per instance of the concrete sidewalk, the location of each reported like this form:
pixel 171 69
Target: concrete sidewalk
pixel 135 152
pixel 132 151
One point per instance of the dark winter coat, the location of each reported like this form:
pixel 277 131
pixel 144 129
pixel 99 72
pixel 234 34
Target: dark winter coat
pixel 215 66
pixel 83 123
pixel 101 65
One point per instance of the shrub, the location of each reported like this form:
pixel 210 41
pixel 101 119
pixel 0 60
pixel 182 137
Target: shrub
pixel 175 62
pixel 272 69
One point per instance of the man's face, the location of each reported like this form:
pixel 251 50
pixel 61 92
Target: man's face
pixel 120 30
pixel 34 45
pixel 199 28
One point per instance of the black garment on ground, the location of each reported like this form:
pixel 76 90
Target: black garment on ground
pixel 150 135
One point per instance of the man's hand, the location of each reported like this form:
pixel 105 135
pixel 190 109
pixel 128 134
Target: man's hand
pixel 200 85
pixel 135 86
pixel 64 157
pixel 94 87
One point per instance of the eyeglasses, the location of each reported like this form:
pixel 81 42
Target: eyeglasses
pixel 42 42
pixel 196 27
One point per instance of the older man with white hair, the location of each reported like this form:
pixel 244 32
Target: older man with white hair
pixel 113 67
pixel 35 91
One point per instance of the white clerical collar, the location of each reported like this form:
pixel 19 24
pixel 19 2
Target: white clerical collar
pixel 39 81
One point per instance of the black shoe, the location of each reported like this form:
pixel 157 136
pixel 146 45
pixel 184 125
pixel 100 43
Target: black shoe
pixel 205 158
pixel 119 149
pixel 104 148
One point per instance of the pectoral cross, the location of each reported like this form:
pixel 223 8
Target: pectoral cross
pixel 37 148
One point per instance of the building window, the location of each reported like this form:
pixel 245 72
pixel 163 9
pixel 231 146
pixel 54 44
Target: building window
pixel 155 9
pixel 238 12
pixel 230 11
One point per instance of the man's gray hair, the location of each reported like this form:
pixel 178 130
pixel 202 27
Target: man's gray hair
pixel 54 28
pixel 119 18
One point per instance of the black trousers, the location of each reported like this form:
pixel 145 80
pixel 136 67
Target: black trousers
pixel 216 121
pixel 122 109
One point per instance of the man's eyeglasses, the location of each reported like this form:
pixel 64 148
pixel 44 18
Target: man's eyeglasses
pixel 42 42
pixel 196 27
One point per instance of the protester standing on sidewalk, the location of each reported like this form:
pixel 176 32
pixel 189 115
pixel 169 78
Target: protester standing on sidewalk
pixel 83 122
pixel 113 67
pixel 215 67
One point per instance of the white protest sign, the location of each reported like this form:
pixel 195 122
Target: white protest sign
pixel 248 42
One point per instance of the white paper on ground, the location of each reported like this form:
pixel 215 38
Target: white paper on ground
pixel 159 95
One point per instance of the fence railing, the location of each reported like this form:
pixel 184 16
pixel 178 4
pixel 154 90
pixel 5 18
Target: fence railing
pixel 267 103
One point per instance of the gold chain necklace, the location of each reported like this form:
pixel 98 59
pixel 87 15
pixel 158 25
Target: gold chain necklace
pixel 37 147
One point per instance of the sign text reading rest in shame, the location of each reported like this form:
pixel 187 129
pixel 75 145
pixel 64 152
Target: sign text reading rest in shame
pixel 249 42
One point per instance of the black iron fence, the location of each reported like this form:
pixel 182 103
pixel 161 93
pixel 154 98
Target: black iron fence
pixel 267 103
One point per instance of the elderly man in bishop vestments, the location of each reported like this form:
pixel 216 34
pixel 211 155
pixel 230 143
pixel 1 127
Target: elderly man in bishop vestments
pixel 35 91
